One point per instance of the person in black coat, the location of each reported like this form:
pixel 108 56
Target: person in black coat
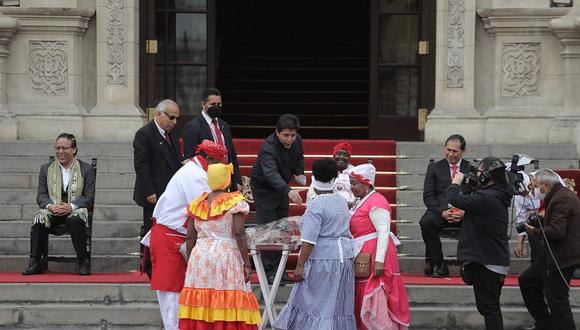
pixel 156 158
pixel 66 190
pixel 439 213
pixel 208 126
pixel 280 160
pixel 483 246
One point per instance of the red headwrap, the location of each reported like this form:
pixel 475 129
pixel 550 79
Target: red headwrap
pixel 342 145
pixel 213 150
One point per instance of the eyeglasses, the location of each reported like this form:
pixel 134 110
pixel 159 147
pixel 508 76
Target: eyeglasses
pixel 170 116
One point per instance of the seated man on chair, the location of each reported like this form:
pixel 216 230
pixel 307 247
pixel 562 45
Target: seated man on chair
pixel 439 212
pixel 66 189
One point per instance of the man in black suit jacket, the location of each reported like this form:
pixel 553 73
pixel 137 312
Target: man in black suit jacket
pixel 439 212
pixel 156 158
pixel 208 126
pixel 66 190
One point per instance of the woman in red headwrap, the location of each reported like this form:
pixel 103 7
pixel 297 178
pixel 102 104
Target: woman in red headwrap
pixel 341 153
pixel 380 298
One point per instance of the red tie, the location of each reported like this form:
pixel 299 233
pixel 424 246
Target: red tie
pixel 453 171
pixel 218 132
pixel 167 138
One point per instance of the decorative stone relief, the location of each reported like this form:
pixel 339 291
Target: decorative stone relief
pixel 455 43
pixel 520 69
pixel 116 42
pixel 48 66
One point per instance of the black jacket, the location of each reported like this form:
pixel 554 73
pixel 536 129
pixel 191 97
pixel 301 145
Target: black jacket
pixel 84 201
pixel 483 237
pixel 155 162
pixel 562 227
pixel 276 165
pixel 198 130
pixel 437 179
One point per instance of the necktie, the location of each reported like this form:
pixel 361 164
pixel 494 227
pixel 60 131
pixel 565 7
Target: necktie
pixel 453 171
pixel 218 132
pixel 167 138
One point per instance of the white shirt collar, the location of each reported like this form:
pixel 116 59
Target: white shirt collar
pixel 62 168
pixel 206 117
pixel 161 130
pixel 458 164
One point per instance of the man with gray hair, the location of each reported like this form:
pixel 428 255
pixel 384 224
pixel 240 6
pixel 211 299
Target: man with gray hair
pixel 155 158
pixel 560 231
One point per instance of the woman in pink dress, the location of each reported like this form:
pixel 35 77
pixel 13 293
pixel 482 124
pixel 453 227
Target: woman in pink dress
pixel 380 300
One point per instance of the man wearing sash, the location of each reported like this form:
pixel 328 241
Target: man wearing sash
pixel 66 189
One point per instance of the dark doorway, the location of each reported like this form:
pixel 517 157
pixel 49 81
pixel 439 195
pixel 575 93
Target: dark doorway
pixel 305 57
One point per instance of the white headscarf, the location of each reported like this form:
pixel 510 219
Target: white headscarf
pixel 364 173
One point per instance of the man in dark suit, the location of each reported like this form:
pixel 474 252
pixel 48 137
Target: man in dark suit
pixel 156 158
pixel 66 189
pixel 439 212
pixel 208 126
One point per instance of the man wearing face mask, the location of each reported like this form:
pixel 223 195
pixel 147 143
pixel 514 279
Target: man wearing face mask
pixel 560 231
pixel 209 126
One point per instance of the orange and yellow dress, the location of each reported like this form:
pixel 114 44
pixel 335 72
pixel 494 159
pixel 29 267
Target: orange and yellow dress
pixel 215 294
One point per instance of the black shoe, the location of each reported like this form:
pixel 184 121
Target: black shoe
pixel 34 267
pixel 530 327
pixel 440 270
pixel 84 268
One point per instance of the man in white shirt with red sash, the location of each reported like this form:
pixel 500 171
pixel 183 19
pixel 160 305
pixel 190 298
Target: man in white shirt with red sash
pixel 169 228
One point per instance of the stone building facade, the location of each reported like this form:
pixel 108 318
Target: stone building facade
pixel 507 71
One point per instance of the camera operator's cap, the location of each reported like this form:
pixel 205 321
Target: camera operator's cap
pixel 364 174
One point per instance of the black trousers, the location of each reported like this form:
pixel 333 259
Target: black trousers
pixel 487 288
pixel 145 254
pixel 538 286
pixel 78 233
pixel 431 224
pixel 270 207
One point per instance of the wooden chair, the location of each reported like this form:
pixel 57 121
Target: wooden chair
pixel 62 229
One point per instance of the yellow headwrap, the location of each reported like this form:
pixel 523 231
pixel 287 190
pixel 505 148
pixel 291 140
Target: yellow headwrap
pixel 219 176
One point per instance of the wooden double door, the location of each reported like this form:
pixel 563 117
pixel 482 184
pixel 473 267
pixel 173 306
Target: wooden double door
pixel 348 69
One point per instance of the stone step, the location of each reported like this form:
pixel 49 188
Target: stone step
pixel 119 228
pixel 62 245
pixel 31 165
pixel 413 230
pixel 102 196
pixel 416 265
pixel 102 264
pixel 85 149
pixel 103 212
pixel 410 197
pixel 539 151
pixel 416 247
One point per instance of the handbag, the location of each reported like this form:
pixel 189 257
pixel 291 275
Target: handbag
pixel 362 265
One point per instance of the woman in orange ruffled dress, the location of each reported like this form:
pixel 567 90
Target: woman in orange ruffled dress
pixel 217 294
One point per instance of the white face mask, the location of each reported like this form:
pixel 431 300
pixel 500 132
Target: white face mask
pixel 539 194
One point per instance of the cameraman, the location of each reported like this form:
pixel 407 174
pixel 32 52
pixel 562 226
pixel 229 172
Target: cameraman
pixel 560 231
pixel 483 242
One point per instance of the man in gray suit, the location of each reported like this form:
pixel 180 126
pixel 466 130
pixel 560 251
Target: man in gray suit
pixel 66 190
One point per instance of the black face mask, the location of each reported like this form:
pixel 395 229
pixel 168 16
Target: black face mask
pixel 214 111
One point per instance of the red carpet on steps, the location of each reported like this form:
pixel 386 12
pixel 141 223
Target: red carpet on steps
pixel 137 277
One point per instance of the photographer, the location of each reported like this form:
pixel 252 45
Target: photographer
pixel 560 231
pixel 483 243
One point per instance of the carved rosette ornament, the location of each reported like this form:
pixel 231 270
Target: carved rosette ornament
pixel 520 69
pixel 455 43
pixel 48 66
pixel 115 42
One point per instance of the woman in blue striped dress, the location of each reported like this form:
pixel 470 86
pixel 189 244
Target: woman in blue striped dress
pixel 323 297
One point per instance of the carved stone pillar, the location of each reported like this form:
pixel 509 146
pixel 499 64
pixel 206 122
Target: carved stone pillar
pixel 45 71
pixel 566 124
pixel 454 78
pixel 116 115
pixel 520 88
pixel 8 123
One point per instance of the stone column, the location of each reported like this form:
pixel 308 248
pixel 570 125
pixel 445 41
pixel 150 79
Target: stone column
pixel 454 76
pixel 116 115
pixel 8 123
pixel 44 82
pixel 523 73
pixel 566 125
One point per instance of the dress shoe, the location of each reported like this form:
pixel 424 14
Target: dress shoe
pixel 440 270
pixel 529 327
pixel 34 267
pixel 84 268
